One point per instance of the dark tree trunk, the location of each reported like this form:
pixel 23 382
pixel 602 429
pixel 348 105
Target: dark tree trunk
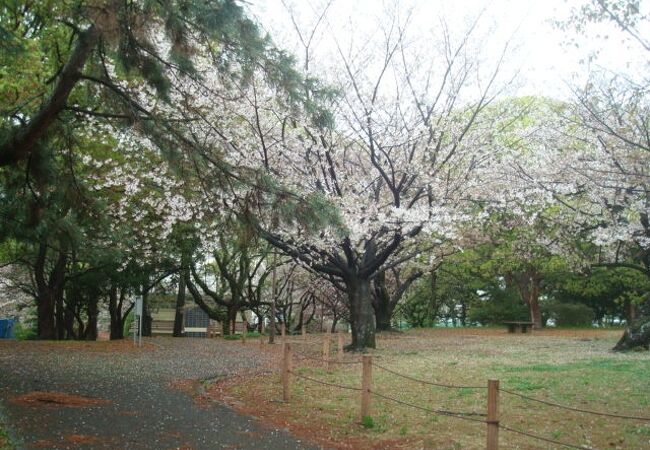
pixel 228 323
pixel 45 313
pixel 147 320
pixel 362 315
pixel 115 314
pixel 60 317
pixel 382 304
pixel 179 317
pixel 48 292
pixel 92 311
pixel 335 321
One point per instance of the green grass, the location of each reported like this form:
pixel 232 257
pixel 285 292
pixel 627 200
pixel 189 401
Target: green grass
pixel 575 369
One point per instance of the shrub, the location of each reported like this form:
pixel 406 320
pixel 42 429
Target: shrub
pixel 571 314
pixel 24 331
pixel 502 305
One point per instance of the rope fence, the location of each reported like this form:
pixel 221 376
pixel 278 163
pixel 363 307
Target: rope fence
pixel 430 383
pixel 490 418
pixel 571 408
pixel 440 412
pixel 544 439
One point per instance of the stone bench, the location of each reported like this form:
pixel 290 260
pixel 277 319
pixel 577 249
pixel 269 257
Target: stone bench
pixel 523 327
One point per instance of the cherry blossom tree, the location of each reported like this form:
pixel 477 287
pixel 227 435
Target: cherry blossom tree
pixel 401 163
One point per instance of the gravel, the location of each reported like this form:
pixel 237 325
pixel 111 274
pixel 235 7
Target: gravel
pixel 144 411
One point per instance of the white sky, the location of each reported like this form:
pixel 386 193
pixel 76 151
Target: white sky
pixel 538 50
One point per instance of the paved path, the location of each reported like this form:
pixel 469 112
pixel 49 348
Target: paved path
pixel 143 411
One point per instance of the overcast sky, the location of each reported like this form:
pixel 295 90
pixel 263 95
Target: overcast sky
pixel 537 48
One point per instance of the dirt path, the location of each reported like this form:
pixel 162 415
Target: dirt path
pixel 110 395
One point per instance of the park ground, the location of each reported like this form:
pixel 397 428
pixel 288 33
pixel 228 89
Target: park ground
pixel 112 395
pixel 212 393
pixel 570 367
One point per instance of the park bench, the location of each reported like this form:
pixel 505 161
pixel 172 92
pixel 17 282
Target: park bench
pixel 162 327
pixel 523 327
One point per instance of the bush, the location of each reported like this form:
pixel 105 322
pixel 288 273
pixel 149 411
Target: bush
pixel 24 331
pixel 571 314
pixel 502 305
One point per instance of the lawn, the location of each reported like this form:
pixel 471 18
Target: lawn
pixel 569 367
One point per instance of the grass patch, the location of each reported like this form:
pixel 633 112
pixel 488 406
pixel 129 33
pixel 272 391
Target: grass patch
pixel 571 367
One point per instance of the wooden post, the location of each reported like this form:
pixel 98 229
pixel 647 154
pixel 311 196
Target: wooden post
pixel 326 350
pixel 286 368
pixel 261 340
pixel 493 415
pixel 339 354
pixel 244 331
pixel 366 385
pixel 303 330
pixel 283 331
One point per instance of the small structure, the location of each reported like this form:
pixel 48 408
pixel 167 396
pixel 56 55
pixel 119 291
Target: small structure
pixel 523 327
pixel 196 322
pixel 7 328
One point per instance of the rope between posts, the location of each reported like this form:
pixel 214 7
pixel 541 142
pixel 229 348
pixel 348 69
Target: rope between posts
pixel 351 388
pixel 431 383
pixel 458 415
pixel 331 361
pixel 571 408
pixel 540 438
pixel 302 342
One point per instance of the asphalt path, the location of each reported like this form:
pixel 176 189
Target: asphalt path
pixel 138 405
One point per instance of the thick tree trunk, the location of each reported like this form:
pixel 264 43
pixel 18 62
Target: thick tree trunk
pixel 382 303
pixel 116 326
pixel 362 315
pixel 45 313
pixel 637 333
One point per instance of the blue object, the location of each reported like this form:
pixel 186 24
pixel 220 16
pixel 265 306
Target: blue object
pixel 7 328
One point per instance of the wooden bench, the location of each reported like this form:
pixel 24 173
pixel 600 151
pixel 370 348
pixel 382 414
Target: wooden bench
pixel 162 327
pixel 523 327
